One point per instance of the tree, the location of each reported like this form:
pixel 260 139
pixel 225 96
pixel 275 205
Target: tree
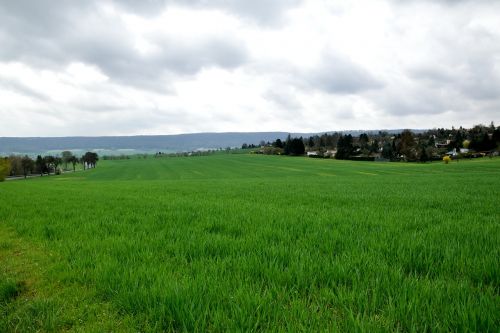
pixel 286 146
pixel 374 146
pixel 482 143
pixel 66 157
pixel 296 147
pixel 406 146
pixel 278 143
pixel 90 159
pixel 323 140
pixel 49 163
pixel 93 159
pixel 387 151
pixel 15 165
pixel 310 142
pixel 83 162
pixel 345 148
pixel 40 165
pixel 363 141
pixel 28 165
pixel 457 141
pixel 496 137
pixel 424 157
pixel 364 144
pixel 432 142
pixel 4 168
pixel 74 161
pixel 331 140
pixel 56 162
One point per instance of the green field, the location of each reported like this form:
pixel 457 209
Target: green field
pixel 253 243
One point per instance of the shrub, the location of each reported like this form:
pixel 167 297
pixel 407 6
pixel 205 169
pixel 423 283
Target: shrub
pixel 4 168
pixel 447 159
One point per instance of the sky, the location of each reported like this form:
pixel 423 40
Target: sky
pixel 104 67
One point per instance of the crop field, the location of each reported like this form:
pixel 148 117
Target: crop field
pixel 253 243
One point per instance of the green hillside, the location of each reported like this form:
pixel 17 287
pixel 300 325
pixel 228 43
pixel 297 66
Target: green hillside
pixel 253 243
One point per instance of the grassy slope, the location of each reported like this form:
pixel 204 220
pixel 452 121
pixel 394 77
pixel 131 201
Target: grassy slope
pixel 253 243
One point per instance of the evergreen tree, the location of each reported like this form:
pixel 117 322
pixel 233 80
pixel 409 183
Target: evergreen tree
pixel 310 142
pixel 40 165
pixel 297 147
pixel 387 151
pixel 286 148
pixel 278 143
pixel 423 155
pixel 345 149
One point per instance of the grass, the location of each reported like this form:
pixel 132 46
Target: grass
pixel 253 243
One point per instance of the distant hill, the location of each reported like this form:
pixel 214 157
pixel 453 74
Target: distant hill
pixel 114 145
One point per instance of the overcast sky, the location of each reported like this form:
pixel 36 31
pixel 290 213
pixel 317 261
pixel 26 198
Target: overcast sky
pixel 167 67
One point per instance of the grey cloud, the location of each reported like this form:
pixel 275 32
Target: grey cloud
pixel 50 13
pixel 34 31
pixel 345 114
pixel 334 74
pixel 79 33
pixel 18 87
pixel 40 17
pixel 262 11
pixel 445 2
pixel 432 74
pixel 283 98
pixel 480 78
pixel 475 78
pixel 144 7
pixel 125 65
pixel 188 59
pixel 436 93
pixel 431 95
pixel 338 75
pixel 28 27
pixel 463 73
pixel 414 104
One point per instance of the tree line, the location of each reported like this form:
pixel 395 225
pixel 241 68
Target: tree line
pixel 15 165
pixel 407 145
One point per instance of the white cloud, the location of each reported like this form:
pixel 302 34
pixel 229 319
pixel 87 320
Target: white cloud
pixel 85 74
